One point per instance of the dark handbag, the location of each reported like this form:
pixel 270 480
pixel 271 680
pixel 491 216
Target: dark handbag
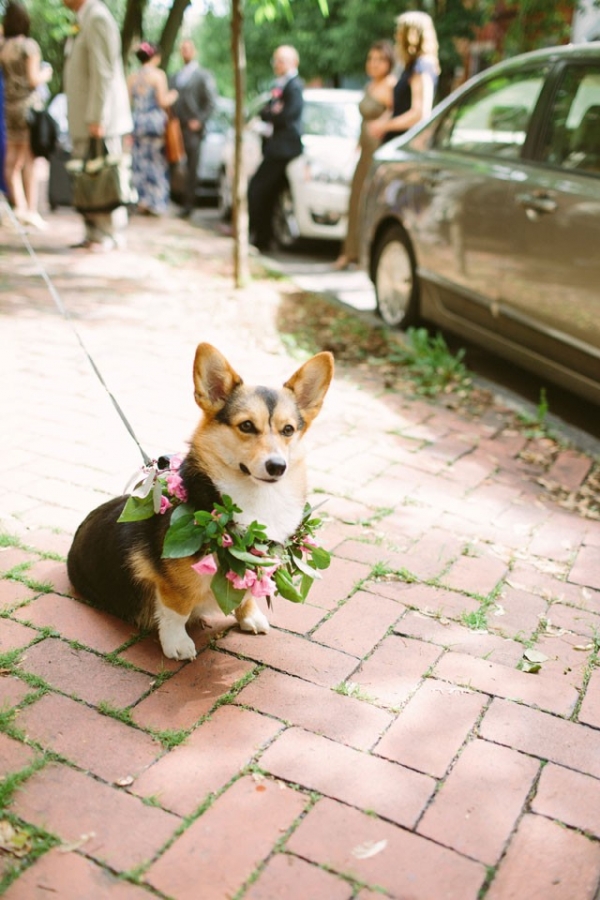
pixel 43 132
pixel 174 149
pixel 101 182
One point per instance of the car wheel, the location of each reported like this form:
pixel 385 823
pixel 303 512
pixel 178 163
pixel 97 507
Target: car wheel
pixel 285 226
pixel 224 197
pixel 395 279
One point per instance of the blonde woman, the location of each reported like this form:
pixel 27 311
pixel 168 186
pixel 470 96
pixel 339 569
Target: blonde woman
pixel 376 104
pixel 417 47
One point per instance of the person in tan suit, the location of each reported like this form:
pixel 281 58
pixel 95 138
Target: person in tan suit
pixel 98 104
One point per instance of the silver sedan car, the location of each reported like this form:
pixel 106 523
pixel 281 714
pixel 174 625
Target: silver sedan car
pixel 485 219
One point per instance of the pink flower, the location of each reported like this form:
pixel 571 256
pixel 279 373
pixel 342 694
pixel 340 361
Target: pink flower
pixel 265 587
pixel 307 544
pixel 175 486
pixel 175 462
pixel 226 541
pixel 206 565
pixel 242 582
pixel 165 504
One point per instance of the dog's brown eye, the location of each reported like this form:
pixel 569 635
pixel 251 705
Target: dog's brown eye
pixel 287 430
pixel 247 427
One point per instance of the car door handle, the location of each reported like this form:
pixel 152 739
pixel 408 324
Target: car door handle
pixel 540 202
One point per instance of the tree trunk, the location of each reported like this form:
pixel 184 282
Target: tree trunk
pixel 171 29
pixel 239 193
pixel 133 28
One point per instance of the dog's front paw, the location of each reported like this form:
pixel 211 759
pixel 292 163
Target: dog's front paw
pixel 254 621
pixel 174 639
pixel 181 647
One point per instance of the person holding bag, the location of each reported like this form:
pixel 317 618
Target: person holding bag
pixel 150 99
pixel 98 106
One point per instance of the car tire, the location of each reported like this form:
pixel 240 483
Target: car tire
pixel 395 280
pixel 225 204
pixel 285 225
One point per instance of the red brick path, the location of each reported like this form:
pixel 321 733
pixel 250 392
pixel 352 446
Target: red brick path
pixel 373 744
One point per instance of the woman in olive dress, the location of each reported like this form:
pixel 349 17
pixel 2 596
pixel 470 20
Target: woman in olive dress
pixel 375 105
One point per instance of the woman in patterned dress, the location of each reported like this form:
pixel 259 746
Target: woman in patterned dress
pixel 150 98
pixel 21 62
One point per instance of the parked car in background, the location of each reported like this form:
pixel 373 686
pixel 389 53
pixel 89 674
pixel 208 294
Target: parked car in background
pixel 211 154
pixel 486 219
pixel 314 201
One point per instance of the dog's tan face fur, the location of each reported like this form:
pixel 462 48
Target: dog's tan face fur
pixel 253 433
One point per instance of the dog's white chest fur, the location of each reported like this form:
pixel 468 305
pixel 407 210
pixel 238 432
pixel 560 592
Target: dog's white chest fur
pixel 278 506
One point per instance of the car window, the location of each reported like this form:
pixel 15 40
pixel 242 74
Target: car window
pixel 331 119
pixel 494 117
pixel 572 138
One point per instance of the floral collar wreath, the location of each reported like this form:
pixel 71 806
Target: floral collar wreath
pixel 239 558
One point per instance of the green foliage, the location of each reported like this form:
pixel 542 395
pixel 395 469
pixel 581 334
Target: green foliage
pixel 239 558
pixel 338 57
pixel 537 23
pixel 346 29
pixel 432 367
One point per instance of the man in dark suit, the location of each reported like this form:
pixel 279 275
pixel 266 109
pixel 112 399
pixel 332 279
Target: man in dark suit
pixel 282 142
pixel 193 107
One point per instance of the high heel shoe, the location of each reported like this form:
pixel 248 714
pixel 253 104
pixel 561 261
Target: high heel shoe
pixel 25 217
pixel 342 263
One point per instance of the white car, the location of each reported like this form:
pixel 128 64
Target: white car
pixel 314 202
pixel 211 154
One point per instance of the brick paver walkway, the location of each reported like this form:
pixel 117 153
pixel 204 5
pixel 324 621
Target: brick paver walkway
pixel 385 739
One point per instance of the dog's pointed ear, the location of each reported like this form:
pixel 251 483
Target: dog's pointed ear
pixel 214 379
pixel 310 383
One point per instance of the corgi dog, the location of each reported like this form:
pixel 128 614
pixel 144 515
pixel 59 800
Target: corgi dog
pixel 248 446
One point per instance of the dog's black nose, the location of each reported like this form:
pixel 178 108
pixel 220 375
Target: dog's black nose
pixel 276 466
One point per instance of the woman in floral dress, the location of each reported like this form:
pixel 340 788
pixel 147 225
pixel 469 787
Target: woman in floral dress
pixel 150 98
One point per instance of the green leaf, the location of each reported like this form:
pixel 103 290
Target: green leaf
pixel 286 587
pixel 320 558
pixel 183 537
pixel 305 568
pixel 137 509
pixel 305 585
pixel 251 558
pixel 228 597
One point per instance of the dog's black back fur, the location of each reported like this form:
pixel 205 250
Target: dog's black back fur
pixel 99 569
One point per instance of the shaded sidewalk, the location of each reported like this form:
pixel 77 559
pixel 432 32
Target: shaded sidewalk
pixel 385 738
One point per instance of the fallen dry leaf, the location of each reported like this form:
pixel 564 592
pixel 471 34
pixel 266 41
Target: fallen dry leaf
pixel 369 849
pixel 125 782
pixel 71 846
pixel 13 840
pixel 535 656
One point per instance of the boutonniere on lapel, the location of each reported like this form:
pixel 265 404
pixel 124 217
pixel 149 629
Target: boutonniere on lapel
pixel 72 33
pixel 276 101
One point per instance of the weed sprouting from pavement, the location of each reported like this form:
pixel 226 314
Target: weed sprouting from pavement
pixel 432 366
